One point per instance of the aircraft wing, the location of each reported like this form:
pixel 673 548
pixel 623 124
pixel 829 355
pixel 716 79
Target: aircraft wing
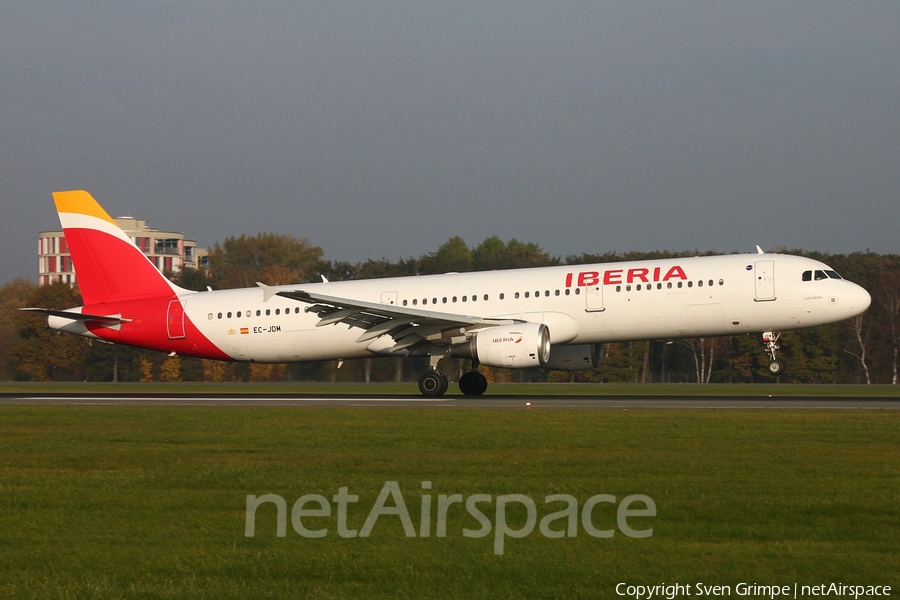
pixel 408 327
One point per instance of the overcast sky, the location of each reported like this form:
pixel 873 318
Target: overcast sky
pixel 382 129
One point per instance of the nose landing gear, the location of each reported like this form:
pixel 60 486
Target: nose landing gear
pixel 770 339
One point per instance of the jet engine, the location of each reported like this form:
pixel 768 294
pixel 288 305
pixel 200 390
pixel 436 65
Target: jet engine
pixel 575 358
pixel 512 346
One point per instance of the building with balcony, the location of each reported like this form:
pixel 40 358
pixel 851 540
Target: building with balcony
pixel 168 250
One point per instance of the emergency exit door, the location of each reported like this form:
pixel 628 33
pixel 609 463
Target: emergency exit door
pixel 175 320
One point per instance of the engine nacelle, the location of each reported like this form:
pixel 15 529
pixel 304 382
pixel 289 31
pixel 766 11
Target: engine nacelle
pixel 575 358
pixel 512 346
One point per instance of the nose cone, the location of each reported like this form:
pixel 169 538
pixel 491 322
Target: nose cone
pixel 860 300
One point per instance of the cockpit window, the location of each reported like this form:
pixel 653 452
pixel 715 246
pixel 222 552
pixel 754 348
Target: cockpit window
pixel 820 275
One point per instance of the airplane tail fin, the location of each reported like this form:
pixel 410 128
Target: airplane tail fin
pixel 107 263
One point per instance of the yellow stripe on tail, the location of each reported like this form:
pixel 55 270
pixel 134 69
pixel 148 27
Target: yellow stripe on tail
pixel 80 202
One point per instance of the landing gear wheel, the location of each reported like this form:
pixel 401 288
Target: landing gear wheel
pixel 433 384
pixel 473 383
pixel 770 339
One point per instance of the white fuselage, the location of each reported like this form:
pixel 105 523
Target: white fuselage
pixel 580 304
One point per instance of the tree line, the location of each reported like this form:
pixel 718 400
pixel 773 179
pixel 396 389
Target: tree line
pixel 860 350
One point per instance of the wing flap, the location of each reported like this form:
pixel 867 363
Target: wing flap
pixel 407 326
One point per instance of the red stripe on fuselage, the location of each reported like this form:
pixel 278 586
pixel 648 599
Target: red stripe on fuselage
pixel 147 328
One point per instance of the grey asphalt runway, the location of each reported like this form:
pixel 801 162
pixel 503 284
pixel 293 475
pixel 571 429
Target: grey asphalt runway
pixel 450 401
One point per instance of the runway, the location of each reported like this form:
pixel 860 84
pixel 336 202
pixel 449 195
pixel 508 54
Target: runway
pixel 453 401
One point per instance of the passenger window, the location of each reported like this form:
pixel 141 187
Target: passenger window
pixel 527 294
pixel 229 315
pixel 618 288
pixel 700 283
pixel 268 312
pixel 219 316
pixel 502 296
pixel 258 313
pixel 277 311
pixel 577 291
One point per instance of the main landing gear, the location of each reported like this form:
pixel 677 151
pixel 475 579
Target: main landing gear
pixel 473 383
pixel 434 383
pixel 770 339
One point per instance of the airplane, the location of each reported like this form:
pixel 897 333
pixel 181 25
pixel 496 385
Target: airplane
pixel 552 317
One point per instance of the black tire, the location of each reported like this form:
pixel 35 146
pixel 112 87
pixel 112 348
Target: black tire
pixel 433 384
pixel 776 367
pixel 472 383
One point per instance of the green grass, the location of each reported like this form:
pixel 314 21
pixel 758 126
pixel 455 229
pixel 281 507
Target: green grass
pixel 149 502
pixel 495 389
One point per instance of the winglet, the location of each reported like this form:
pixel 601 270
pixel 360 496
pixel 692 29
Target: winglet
pixel 759 250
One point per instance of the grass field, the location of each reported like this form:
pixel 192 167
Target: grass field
pixel 149 502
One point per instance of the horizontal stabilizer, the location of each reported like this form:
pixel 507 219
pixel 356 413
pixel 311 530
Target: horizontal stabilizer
pixel 77 316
